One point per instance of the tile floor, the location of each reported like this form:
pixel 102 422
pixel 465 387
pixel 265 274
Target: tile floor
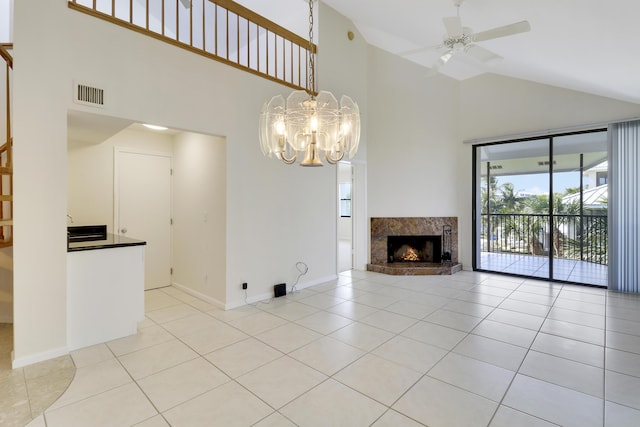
pixel 472 349
pixel 538 266
pixel 26 392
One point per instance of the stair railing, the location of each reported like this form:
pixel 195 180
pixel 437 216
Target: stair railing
pixel 218 29
pixel 6 159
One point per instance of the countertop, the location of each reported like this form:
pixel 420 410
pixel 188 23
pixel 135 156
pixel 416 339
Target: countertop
pixel 111 241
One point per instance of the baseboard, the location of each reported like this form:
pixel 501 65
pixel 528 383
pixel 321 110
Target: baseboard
pixel 39 357
pixel 250 300
pixel 265 296
pixel 199 295
pixel 319 281
pixel 230 305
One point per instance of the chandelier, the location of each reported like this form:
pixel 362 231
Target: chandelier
pixel 310 122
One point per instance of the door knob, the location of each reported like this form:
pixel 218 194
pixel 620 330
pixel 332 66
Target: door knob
pixel 123 230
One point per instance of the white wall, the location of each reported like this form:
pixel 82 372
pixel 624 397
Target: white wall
pixel 493 106
pixel 40 153
pixel 413 140
pixel 90 171
pixel 200 215
pixel 343 68
pixel 283 214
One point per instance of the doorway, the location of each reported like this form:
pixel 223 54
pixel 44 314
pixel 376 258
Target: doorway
pixel 541 207
pixel 345 216
pixel 142 208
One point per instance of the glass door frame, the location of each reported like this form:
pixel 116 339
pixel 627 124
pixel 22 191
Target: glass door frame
pixel 477 209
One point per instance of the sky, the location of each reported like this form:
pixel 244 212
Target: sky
pixel 539 183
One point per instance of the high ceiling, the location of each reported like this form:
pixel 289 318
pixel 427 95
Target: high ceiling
pixel 586 45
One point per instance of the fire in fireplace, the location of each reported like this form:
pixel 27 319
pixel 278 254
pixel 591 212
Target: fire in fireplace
pixel 414 249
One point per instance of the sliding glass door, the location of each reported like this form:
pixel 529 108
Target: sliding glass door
pixel 514 210
pixel 580 184
pixel 540 207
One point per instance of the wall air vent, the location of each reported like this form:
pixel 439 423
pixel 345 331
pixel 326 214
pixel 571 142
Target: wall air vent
pixel 496 166
pixel 88 95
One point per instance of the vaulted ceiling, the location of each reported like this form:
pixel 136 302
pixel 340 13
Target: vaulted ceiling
pixel 585 45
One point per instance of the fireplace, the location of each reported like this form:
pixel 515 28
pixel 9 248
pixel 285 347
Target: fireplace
pixel 414 249
pixel 414 245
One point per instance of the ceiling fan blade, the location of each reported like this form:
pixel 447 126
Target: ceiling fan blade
pixel 453 25
pixel 420 49
pixel 481 54
pixel 507 30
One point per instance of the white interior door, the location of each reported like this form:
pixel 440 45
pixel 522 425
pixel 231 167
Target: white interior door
pixel 143 209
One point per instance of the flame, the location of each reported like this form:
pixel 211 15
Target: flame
pixel 410 255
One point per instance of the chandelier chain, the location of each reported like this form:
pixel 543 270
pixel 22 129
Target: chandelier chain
pixel 312 83
pixel 310 122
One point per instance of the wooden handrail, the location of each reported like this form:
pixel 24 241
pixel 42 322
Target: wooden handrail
pixel 4 147
pixel 263 22
pixel 272 53
pixel 5 54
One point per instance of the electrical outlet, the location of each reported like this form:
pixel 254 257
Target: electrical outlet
pixel 244 285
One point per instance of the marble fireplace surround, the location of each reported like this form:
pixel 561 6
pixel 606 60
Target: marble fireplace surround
pixel 411 226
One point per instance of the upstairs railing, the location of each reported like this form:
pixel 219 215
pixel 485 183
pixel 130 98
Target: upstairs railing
pixel 6 157
pixel 575 237
pixel 218 29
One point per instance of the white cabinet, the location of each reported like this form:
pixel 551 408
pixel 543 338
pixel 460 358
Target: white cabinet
pixel 105 294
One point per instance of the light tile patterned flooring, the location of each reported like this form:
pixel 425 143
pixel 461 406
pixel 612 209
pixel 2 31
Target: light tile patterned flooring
pixel 567 270
pixel 471 349
pixel 26 392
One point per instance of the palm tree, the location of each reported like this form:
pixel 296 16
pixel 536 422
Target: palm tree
pixel 489 195
pixel 510 202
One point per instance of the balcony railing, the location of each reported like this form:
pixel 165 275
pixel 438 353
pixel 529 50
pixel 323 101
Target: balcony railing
pixel 575 237
pixel 218 29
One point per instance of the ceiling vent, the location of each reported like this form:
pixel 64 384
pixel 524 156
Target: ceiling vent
pixel 88 95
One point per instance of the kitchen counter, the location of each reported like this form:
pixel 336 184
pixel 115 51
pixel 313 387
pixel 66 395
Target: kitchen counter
pixel 105 288
pixel 106 242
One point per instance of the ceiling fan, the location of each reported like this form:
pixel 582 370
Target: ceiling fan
pixel 459 39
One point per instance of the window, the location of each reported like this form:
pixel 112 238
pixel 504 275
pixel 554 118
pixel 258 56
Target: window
pixel 345 200
pixel 601 178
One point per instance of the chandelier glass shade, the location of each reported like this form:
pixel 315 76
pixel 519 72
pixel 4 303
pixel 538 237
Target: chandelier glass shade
pixel 310 123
